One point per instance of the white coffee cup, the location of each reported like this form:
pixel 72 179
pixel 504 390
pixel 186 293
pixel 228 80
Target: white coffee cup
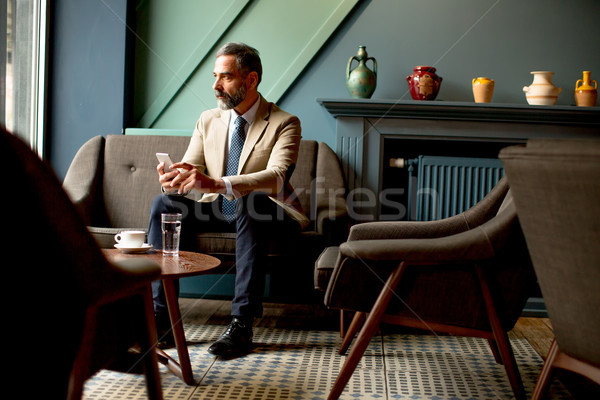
pixel 130 239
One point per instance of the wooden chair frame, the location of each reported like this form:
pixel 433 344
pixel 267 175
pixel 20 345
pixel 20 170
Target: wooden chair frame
pixel 147 340
pixel 497 338
pixel 558 359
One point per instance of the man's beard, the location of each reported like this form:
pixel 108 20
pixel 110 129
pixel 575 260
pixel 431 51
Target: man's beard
pixel 230 102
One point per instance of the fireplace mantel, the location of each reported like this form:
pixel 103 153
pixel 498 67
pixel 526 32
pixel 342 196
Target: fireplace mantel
pixel 449 110
pixel 363 126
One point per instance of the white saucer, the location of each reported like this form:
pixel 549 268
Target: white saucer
pixel 123 249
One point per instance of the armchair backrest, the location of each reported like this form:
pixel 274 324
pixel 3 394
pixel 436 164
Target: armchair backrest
pixel 481 212
pixel 556 189
pixel 485 209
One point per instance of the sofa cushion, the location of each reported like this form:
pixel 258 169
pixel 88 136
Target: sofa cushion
pixel 218 243
pixel 130 178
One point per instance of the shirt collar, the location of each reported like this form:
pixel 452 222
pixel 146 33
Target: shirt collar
pixel 248 115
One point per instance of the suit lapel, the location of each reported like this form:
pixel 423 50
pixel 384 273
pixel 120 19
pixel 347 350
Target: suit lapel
pixel 221 142
pixel 258 126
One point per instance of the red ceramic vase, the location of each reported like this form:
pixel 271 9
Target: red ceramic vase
pixel 423 83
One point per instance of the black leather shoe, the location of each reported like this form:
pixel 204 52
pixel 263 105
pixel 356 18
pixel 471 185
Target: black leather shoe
pixel 237 340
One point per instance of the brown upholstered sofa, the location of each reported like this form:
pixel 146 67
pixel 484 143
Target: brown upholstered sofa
pixel 113 180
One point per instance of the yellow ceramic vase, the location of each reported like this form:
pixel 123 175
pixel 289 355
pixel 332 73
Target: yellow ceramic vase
pixel 483 89
pixel 585 93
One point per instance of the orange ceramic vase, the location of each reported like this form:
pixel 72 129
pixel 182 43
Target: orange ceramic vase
pixel 586 91
pixel 483 89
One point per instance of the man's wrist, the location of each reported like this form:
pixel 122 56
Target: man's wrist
pixel 223 186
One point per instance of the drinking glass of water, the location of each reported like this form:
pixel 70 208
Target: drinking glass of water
pixel 171 229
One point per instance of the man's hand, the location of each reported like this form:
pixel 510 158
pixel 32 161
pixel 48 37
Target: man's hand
pixel 189 177
pixel 166 178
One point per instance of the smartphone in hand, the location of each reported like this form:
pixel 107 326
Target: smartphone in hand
pixel 164 157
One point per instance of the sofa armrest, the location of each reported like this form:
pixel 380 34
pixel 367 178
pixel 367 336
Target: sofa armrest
pixel 83 181
pixel 331 210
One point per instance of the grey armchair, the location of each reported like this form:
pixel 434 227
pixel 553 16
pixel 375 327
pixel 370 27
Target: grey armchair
pixel 468 275
pixel 81 313
pixel 556 187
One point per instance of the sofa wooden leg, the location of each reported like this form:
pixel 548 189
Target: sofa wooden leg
pixel 367 332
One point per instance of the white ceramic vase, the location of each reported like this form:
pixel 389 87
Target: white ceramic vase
pixel 541 92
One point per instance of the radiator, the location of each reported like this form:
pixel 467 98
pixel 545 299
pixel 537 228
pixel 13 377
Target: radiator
pixel 440 187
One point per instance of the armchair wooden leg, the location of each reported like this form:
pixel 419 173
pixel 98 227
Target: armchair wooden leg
pixel 147 343
pixel 501 339
pixel 495 352
pixel 81 363
pixel 541 387
pixel 75 389
pixel 367 332
pixel 558 359
pixel 355 325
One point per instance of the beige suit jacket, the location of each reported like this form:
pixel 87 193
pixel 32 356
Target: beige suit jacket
pixel 269 155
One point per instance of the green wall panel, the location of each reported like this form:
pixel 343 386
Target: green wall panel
pixel 173 38
pixel 177 41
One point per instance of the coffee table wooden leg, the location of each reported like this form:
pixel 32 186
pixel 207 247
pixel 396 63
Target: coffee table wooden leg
pixel 184 369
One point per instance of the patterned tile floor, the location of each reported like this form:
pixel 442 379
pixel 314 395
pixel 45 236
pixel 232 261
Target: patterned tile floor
pixel 298 365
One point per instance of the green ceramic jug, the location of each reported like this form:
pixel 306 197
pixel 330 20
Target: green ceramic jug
pixel 361 81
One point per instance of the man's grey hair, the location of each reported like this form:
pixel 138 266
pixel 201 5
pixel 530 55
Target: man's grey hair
pixel 247 58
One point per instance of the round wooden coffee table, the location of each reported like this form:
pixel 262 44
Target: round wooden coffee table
pixel 174 267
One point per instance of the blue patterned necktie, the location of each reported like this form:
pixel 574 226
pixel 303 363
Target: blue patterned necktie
pixel 235 150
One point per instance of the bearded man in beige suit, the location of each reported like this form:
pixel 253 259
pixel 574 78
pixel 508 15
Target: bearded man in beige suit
pixel 238 164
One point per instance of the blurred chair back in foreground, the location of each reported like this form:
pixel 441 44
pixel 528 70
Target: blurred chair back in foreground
pixel 556 188
pixel 79 312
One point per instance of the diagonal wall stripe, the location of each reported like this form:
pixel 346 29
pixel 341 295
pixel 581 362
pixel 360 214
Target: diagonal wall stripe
pixel 287 33
pixel 197 56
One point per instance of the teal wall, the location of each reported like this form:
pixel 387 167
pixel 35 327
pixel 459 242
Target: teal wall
pixel 87 80
pixel 463 39
pixel 177 41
